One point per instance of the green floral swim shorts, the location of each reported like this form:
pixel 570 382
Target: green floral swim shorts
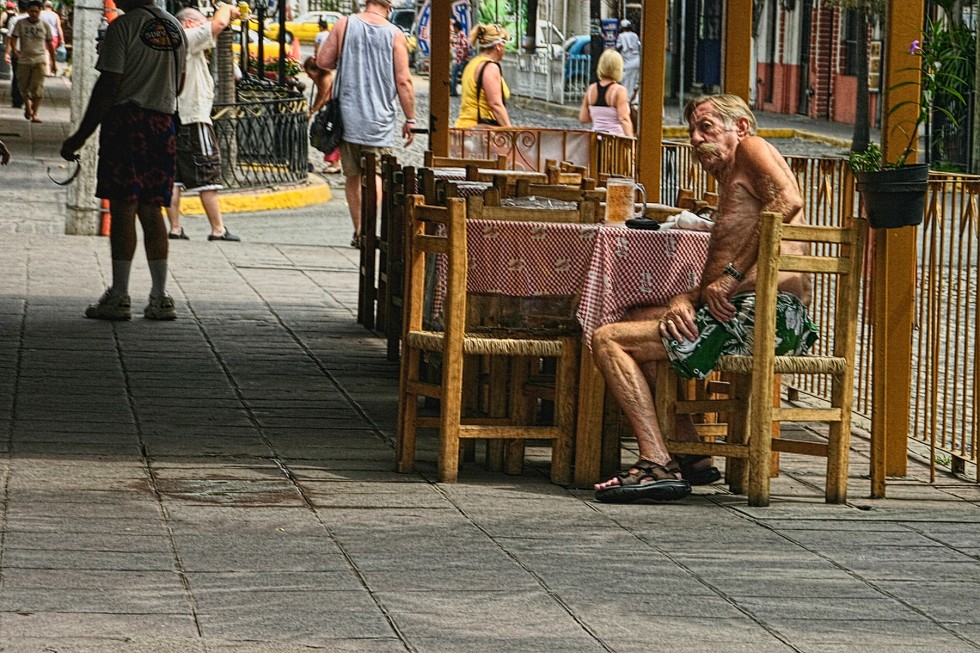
pixel 795 334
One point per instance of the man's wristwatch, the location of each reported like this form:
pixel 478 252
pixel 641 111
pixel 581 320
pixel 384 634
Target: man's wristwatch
pixel 733 273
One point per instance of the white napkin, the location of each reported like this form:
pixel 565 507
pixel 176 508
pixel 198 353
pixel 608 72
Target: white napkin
pixel 687 220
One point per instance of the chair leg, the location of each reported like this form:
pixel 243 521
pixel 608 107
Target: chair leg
pixel 520 414
pixel 737 469
pixel 760 441
pixel 407 414
pixel 838 446
pixel 565 376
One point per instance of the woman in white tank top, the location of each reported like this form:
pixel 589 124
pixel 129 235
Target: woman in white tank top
pixel 605 103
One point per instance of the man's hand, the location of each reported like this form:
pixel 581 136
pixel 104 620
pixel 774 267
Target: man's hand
pixel 717 297
pixel 407 134
pixel 678 321
pixel 71 146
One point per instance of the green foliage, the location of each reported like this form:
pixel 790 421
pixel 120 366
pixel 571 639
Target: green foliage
pixel 868 161
pixel 946 68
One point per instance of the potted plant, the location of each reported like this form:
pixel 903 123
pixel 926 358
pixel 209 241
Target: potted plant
pixel 894 193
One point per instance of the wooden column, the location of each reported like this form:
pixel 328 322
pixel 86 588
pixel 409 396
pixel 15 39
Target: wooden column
pixel 650 141
pixel 737 58
pixel 440 53
pixel 895 260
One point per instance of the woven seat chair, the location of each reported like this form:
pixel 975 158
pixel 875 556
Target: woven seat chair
pixel 837 252
pixel 442 230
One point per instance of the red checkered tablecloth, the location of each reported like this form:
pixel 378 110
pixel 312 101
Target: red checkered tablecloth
pixel 611 268
pixel 527 259
pixel 631 267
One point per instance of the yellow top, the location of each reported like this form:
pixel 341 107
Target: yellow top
pixel 467 106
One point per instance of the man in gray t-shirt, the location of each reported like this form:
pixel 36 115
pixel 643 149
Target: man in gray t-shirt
pixel 32 38
pixel 371 55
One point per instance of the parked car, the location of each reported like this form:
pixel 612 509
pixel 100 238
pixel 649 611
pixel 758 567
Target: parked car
pixel 270 48
pixel 305 27
pixel 404 19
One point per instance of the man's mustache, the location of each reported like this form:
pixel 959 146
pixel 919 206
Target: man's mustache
pixel 707 148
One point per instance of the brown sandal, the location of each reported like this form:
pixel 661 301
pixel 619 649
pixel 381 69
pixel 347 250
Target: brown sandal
pixel 646 480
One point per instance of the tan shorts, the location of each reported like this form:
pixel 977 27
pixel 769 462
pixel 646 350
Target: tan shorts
pixel 30 79
pixel 351 153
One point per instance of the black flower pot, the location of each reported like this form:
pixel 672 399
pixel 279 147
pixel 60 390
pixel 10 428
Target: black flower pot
pixel 895 197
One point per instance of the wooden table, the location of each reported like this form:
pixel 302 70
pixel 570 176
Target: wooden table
pixel 610 267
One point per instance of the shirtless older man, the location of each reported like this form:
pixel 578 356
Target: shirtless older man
pixel 698 326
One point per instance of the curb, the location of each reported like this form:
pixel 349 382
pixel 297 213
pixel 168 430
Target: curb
pixel 313 191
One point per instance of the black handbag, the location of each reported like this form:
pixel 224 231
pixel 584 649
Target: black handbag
pixel 327 127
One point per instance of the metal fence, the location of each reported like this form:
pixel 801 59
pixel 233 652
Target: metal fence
pixel 263 136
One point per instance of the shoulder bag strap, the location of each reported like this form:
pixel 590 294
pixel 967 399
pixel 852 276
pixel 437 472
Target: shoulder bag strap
pixel 340 52
pixel 479 86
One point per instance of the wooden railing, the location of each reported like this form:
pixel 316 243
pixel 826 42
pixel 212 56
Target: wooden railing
pixel 945 384
pixel 527 148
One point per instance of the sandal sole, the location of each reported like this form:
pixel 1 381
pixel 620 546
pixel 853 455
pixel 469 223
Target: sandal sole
pixel 703 476
pixel 665 490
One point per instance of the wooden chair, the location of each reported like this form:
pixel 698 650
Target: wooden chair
pixel 568 193
pixel 397 183
pixel 367 286
pixel 564 172
pixel 479 208
pixel 834 251
pixel 432 161
pixel 442 230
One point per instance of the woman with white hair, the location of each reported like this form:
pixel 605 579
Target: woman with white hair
pixel 485 93
pixel 606 103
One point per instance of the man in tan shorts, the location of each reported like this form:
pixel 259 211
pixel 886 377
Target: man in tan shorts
pixel 33 38
pixel 713 319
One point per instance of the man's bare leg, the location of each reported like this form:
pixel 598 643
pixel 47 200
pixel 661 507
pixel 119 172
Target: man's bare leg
pixel 212 208
pixel 621 351
pixel 352 189
pixel 173 211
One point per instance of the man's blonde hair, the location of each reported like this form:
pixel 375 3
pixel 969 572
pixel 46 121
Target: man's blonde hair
pixel 730 107
pixel 610 65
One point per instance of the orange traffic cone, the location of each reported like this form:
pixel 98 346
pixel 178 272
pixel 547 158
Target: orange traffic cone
pixel 105 223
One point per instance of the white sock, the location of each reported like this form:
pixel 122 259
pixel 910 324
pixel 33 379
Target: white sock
pixel 158 277
pixel 120 277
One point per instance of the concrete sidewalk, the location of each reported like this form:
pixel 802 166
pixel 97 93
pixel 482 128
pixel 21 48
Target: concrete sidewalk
pixel 223 483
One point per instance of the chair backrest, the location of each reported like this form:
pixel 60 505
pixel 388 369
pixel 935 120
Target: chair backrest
pixel 432 161
pixel 835 251
pixel 436 230
pixel 524 188
pixel 585 212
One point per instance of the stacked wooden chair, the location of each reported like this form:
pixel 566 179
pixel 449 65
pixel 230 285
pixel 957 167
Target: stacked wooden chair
pixel 748 441
pixel 442 230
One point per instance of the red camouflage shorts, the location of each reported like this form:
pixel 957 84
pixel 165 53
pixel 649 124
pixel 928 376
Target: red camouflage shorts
pixel 137 156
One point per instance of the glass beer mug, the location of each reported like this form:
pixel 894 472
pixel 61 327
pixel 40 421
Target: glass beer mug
pixel 620 199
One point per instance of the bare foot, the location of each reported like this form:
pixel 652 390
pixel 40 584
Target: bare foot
pixel 35 119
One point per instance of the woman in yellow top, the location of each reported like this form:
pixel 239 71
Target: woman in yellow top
pixel 487 107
